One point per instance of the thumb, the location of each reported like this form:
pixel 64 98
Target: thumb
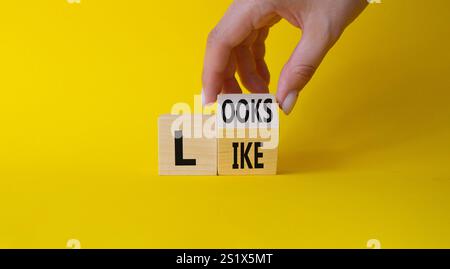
pixel 301 66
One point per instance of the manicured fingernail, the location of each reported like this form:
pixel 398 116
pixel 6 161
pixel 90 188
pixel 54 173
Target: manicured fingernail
pixel 204 102
pixel 203 98
pixel 289 102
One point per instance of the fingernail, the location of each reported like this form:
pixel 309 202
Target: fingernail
pixel 289 102
pixel 204 103
pixel 203 98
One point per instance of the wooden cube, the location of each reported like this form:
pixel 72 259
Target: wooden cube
pixel 187 145
pixel 247 134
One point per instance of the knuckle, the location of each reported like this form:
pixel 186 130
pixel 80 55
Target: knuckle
pixel 246 2
pixel 302 71
pixel 213 36
pixel 255 10
pixel 254 3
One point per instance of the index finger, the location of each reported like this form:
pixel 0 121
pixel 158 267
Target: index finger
pixel 232 30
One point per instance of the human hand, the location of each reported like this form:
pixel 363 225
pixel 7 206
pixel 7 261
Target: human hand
pixel 237 44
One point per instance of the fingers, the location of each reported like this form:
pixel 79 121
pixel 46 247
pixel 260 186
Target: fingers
pixel 232 30
pixel 259 51
pixel 230 84
pixel 247 68
pixel 301 66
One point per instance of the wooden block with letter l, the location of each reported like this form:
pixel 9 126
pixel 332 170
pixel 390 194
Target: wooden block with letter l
pixel 187 145
pixel 247 134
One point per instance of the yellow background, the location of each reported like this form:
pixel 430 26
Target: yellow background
pixel 364 155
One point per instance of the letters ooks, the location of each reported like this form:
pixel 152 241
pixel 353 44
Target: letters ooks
pixel 257 111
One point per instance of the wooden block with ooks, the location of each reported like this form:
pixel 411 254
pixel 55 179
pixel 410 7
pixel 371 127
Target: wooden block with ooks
pixel 187 145
pixel 247 134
